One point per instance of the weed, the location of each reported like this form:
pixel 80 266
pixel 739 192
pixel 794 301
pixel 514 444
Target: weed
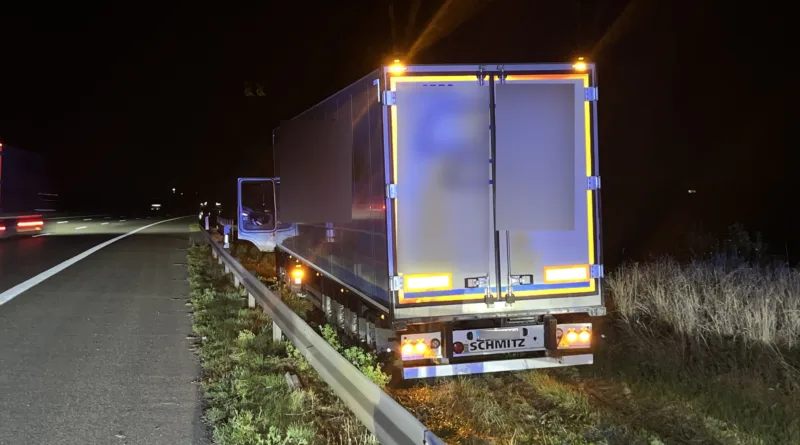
pixel 243 378
pixel 365 361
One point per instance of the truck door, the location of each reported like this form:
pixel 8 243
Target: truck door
pixel 544 208
pixel 258 219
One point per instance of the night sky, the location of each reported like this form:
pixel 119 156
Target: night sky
pixel 130 103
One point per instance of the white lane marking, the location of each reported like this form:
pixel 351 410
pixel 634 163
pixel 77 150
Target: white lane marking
pixel 87 219
pixel 102 224
pixel 6 296
pixel 81 227
pixel 41 234
pixel 122 220
pixel 62 222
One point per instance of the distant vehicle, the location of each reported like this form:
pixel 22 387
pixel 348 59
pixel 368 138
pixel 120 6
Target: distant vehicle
pixel 25 191
pixel 212 209
pixel 451 214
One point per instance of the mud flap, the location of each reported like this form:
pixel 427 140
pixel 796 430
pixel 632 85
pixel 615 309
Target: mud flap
pixel 550 335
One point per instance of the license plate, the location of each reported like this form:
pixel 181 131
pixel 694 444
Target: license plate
pixel 498 341
pixel 499 333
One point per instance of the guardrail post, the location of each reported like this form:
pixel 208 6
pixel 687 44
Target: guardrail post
pixel 326 307
pixel 353 322
pixel 371 334
pixel 227 232
pixel 251 301
pixel 277 335
pixel 206 223
pixel 361 328
pixel 338 314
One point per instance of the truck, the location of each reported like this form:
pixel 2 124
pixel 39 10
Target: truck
pixel 25 191
pixel 445 215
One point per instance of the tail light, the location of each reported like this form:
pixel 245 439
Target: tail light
pixel 32 224
pixel 297 276
pixel 574 335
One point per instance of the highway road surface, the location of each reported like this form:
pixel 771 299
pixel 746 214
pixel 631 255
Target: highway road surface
pixel 97 352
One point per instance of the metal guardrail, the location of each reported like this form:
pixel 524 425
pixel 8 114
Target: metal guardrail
pixel 225 221
pixel 383 416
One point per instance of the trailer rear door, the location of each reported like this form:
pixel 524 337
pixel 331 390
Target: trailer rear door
pixel 544 183
pixel 440 142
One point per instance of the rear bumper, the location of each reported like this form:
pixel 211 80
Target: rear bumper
pixel 522 364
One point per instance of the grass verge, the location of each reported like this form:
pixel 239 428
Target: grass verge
pixel 244 372
pixel 698 353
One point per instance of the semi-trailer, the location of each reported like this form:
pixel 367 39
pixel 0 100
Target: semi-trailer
pixel 447 214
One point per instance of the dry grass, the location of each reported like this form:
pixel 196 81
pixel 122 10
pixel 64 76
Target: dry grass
pixel 712 317
pixel 717 339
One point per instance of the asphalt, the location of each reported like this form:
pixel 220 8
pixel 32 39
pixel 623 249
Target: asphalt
pixel 98 353
pixel 22 257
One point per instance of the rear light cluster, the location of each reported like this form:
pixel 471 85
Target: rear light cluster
pixel 421 346
pixel 576 335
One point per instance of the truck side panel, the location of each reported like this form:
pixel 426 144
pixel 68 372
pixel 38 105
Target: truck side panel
pixel 321 149
pixel 24 184
pixel 353 252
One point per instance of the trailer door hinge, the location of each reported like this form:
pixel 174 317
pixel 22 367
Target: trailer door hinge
pixel 395 283
pixel 593 183
pixel 596 271
pixel 590 94
pixel 391 191
pixel 389 97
